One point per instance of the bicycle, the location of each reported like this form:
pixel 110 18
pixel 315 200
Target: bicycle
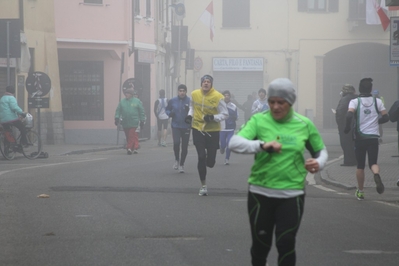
pixel 10 145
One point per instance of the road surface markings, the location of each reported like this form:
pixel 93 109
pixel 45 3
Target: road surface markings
pixel 49 165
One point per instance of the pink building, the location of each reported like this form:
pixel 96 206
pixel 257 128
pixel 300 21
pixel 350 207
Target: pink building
pixel 93 37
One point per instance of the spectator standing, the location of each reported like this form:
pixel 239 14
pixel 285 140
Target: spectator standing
pixel 162 118
pixel 177 109
pixel 260 104
pixel 276 193
pixel 247 107
pixel 228 126
pixel 376 94
pixel 367 109
pixel 346 140
pixel 207 110
pixel 130 113
pixel 394 117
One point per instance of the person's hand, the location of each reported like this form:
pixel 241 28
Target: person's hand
pixel 208 118
pixel 312 165
pixel 272 146
pixel 142 124
pixel 116 121
pixel 188 119
pixel 23 115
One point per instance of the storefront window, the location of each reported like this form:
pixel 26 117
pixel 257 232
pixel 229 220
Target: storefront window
pixel 82 90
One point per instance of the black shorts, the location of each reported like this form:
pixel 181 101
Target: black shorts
pixel 208 140
pixel 162 123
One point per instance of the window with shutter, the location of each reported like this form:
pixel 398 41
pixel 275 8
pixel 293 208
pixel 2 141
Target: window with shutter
pixel 236 13
pixel 318 5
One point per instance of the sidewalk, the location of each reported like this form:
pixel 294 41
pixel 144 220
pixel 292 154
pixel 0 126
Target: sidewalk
pixel 345 176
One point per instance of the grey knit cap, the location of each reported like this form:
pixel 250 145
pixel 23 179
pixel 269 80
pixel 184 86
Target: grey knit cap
pixel 283 88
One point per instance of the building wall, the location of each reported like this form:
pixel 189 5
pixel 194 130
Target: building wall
pixel 39 30
pixel 291 43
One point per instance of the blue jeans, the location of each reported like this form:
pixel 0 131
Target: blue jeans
pixel 225 137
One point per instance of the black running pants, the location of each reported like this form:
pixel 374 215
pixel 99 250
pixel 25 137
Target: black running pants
pixel 267 214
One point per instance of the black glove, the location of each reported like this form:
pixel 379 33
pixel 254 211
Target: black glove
pixel 23 115
pixel 188 119
pixel 116 121
pixel 142 124
pixel 208 118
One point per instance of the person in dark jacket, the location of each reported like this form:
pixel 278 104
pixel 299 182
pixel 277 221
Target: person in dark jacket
pixel 394 117
pixel 177 109
pixel 346 140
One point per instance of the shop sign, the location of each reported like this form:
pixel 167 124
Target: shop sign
pixel 238 64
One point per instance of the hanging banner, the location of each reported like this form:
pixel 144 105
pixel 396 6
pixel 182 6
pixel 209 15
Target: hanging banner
pixel 394 42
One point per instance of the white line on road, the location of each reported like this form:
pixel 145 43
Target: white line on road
pixel 48 165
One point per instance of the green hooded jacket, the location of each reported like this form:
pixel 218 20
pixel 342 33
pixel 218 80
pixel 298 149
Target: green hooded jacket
pixel 131 111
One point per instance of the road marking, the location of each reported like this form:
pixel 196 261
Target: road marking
pixel 370 252
pixel 324 188
pixel 49 165
pixel 388 204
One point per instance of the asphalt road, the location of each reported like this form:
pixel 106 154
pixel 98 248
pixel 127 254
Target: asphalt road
pixel 107 208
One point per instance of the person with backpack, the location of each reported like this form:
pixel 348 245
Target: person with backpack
pixel 367 110
pixel 162 118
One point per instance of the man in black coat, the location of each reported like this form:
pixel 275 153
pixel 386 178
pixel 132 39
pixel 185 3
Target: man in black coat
pixel 394 117
pixel 346 140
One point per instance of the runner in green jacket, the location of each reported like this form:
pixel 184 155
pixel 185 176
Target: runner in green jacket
pixel 278 138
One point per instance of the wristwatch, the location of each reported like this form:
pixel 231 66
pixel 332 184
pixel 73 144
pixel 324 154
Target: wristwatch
pixel 261 144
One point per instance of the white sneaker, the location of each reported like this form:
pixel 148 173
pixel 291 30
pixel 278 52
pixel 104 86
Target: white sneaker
pixel 181 169
pixel 135 151
pixel 176 165
pixel 129 151
pixel 203 191
pixel 226 162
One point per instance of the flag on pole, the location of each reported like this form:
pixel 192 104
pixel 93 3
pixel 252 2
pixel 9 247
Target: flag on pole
pixel 375 14
pixel 382 13
pixel 208 19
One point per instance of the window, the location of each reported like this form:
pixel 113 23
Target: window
pixel 161 10
pixel 82 90
pixel 137 7
pixel 236 14
pixel 99 2
pixel 318 5
pixel 148 9
pixel 357 10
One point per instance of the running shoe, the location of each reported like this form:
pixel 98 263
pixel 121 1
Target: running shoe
pixel 129 151
pixel 135 151
pixel 181 169
pixel 397 183
pixel 203 191
pixel 163 144
pixel 222 150
pixel 378 182
pixel 359 195
pixel 226 162
pixel 176 165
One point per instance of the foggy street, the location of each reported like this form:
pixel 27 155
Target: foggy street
pixel 107 208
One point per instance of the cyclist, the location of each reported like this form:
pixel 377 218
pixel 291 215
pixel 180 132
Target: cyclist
pixel 10 112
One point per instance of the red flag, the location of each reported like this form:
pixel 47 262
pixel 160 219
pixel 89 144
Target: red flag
pixel 208 19
pixel 385 21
